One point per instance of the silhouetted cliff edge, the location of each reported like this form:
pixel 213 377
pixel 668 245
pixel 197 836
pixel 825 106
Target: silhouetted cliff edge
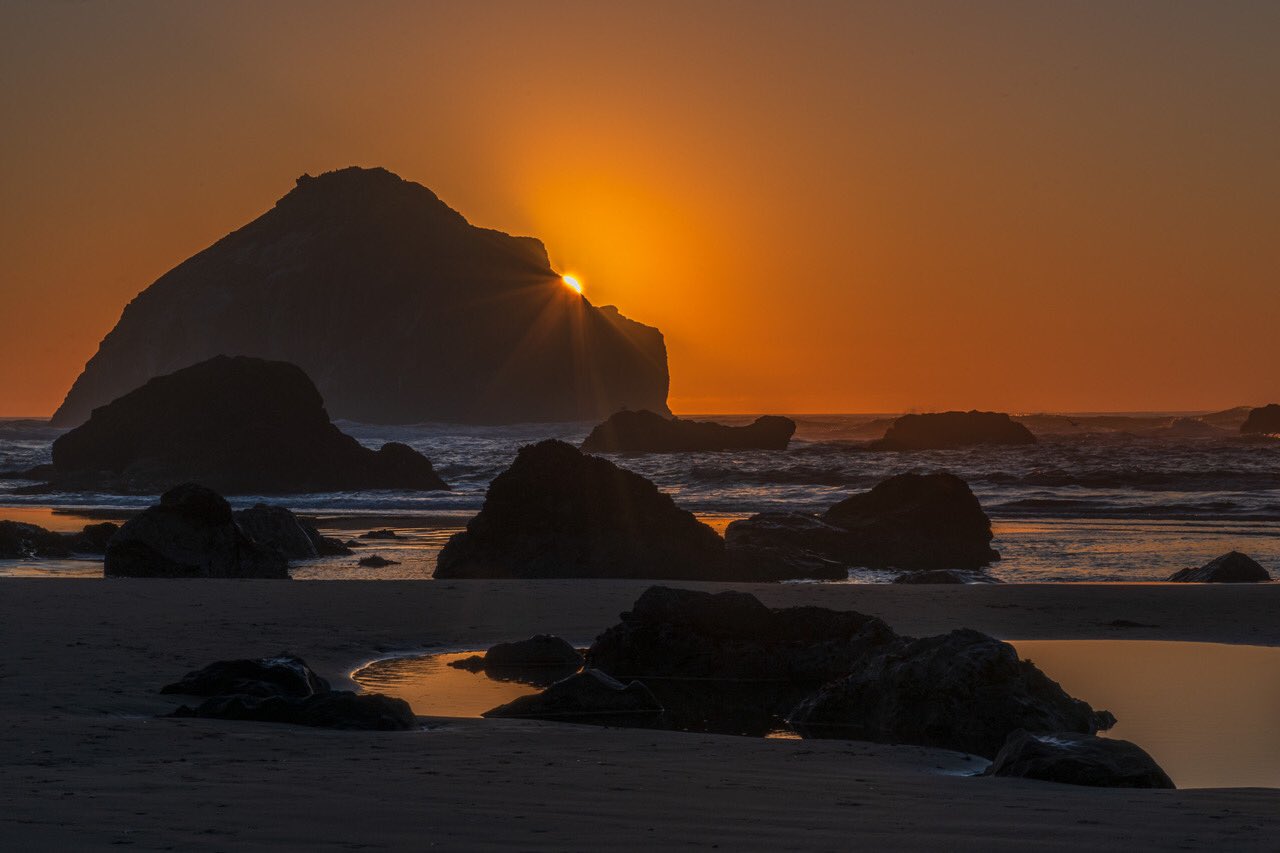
pixel 398 308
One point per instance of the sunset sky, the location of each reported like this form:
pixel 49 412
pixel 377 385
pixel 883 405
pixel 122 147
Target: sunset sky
pixel 826 207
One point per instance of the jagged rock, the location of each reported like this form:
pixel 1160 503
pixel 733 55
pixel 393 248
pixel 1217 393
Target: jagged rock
pixel 948 576
pixel 682 633
pixel 1078 759
pixel 190 534
pixel 774 546
pixel 385 533
pixel 558 513
pixel 1232 567
pixel 944 430
pixel 239 425
pixel 282 675
pixel 964 691
pixel 375 561
pixel 542 650
pixel 472 325
pixel 645 431
pixel 1264 420
pixel 915 522
pixel 19 540
pixel 587 696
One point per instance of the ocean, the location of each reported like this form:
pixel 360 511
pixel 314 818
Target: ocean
pixel 1117 498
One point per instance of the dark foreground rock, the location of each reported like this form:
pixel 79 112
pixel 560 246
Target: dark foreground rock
pixel 964 691
pixel 191 533
pixel 284 689
pixel 1078 759
pixel 400 309
pixel 276 527
pixel 774 546
pixel 93 539
pixel 915 522
pixel 1232 567
pixel 944 576
pixel 1264 420
pixel 646 431
pixel 588 696
pixel 559 513
pixel 239 425
pixel 947 430
pixel 542 650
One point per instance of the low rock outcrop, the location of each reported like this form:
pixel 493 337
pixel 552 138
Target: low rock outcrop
pixel 1231 567
pixel 191 533
pixel 284 689
pixel 587 696
pixel 19 540
pixel 276 527
pixel 559 513
pixel 944 576
pixel 774 546
pixel 947 430
pixel 1078 759
pixel 1264 420
pixel 645 431
pixel 239 425
pixel 964 691
pixel 376 561
pixel 542 650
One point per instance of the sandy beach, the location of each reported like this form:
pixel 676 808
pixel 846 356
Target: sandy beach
pixel 87 764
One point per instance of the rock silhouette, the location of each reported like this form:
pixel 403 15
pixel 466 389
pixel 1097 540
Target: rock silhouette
pixel 586 697
pixel 1264 420
pixel 945 430
pixel 559 513
pixel 1231 567
pixel 191 533
pixel 1078 759
pixel 775 546
pixel 645 431
pixel 277 527
pixel 236 424
pixel 400 309
pixel 944 576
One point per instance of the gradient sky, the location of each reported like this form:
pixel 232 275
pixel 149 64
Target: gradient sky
pixel 825 206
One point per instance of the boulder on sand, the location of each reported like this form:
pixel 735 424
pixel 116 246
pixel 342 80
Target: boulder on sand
pixel 239 425
pixel 1231 567
pixel 542 650
pixel 774 546
pixel 587 696
pixel 558 513
pixel 1078 759
pixel 1264 420
pixel 963 690
pixel 646 431
pixel 191 533
pixel 283 689
pixel 277 527
pixel 947 430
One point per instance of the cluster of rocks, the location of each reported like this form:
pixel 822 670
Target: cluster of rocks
pixel 236 424
pixel 645 431
pixel 19 541
pixel 725 662
pixel 284 689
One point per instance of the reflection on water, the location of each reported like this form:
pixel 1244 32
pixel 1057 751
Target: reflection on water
pixel 1207 712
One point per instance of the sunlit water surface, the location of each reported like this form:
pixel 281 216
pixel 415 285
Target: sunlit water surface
pixel 1206 712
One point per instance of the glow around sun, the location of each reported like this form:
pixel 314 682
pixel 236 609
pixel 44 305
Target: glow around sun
pixel 572 283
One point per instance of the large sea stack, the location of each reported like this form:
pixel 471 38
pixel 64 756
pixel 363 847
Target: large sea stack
pixel 238 425
pixel 398 308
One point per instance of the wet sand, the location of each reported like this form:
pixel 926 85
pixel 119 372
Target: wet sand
pixel 87 765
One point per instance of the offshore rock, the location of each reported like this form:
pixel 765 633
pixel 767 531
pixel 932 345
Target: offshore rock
pixel 239 425
pixel 644 431
pixel 945 430
pixel 472 325
pixel 558 513
pixel 1264 420
pixel 1231 567
pixel 191 533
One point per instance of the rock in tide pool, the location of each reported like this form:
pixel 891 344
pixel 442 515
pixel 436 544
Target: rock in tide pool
pixel 1078 759
pixel 559 513
pixel 191 533
pixel 588 696
pixel 239 425
pixel 1232 567
pixel 400 309
pixel 284 689
pixel 648 432
pixel 963 690
pixel 1264 420
pixel 542 650
pixel 946 430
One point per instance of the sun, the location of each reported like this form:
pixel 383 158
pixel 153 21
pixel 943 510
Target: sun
pixel 572 282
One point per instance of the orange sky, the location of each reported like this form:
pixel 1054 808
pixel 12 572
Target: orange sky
pixel 825 206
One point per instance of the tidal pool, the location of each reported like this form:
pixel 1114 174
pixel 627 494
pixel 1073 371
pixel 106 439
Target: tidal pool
pixel 1209 713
